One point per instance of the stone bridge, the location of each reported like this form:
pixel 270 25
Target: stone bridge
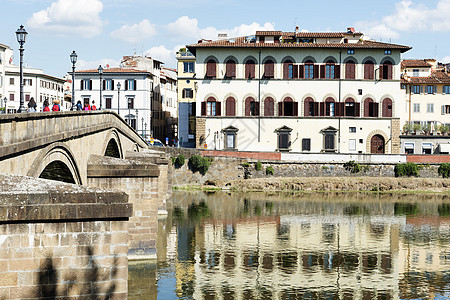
pixel 102 213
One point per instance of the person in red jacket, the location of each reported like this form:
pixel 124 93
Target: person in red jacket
pixel 56 106
pixel 46 105
pixel 93 107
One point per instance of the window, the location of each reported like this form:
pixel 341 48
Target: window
pixel 311 108
pixel 28 82
pixel 269 69
pixel 417 89
pixel 427 148
pixel 415 72
pixel 11 97
pixel 130 103
pixel 431 89
pixel 351 108
pixel 108 102
pixel 329 107
pixel 108 84
pixel 288 70
pixel 189 67
pixel 269 107
pixel 351 51
pixel 386 109
pixel 409 148
pixel 445 109
pixel 329 70
pixel 288 107
pixel 352 129
pixel 402 86
pixel 387 52
pixel 370 108
pixel 210 107
pixel 369 70
pixel 329 139
pixel 86 84
pixel 430 108
pixel 350 68
pixel 230 71
pixel 27 97
pixel 446 89
pixel 309 70
pixel 230 106
pixel 188 93
pixel 211 69
pixel 130 85
pixel 230 135
pixel 416 107
pixel 306 144
pixel 284 138
pixel 11 81
pixel 352 145
pixel 386 70
pixel 250 69
pixel 251 107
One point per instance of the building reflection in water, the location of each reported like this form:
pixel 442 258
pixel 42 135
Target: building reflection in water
pixel 309 246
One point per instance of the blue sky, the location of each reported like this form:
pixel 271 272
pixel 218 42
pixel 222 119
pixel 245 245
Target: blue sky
pixel 102 31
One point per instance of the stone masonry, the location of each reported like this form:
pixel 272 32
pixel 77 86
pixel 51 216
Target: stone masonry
pixel 62 240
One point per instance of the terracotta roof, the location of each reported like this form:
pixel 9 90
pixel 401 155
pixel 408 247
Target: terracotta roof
pixel 408 63
pixel 112 70
pixel 241 42
pixel 269 33
pixel 436 77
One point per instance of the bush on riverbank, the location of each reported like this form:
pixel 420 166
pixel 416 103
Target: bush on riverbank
pixel 444 170
pixel 199 163
pixel 269 170
pixel 258 166
pixel 408 169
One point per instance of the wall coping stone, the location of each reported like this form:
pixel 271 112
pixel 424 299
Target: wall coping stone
pixel 103 166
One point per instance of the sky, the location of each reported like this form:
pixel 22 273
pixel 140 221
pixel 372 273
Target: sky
pixel 103 31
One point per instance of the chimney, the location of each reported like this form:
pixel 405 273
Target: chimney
pixel 350 30
pixel 296 29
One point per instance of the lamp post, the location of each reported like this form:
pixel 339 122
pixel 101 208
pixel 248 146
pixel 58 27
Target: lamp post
pixel 145 132
pixel 100 73
pixel 73 60
pixel 136 121
pixel 118 98
pixel 4 100
pixel 141 127
pixel 21 35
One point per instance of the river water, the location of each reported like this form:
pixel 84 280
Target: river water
pixel 221 245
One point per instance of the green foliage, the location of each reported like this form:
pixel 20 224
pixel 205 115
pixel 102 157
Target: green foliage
pixel 352 167
pixel 246 165
pixel 407 127
pixel 443 128
pixel 408 169
pixel 258 166
pixel 269 170
pixel 444 209
pixel 174 159
pixel 179 161
pixel 444 170
pixel 405 209
pixel 366 168
pixel 416 127
pixel 199 163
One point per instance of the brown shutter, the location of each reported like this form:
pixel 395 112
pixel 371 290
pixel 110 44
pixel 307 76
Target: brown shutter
pixel 322 71
pixel 389 71
pixel 350 70
pixel 90 84
pixel 280 108
pixel 257 108
pixel 295 71
pixel 337 71
pixel 357 109
pixel 218 108
pixel 112 85
pixel 375 109
pixel 203 108
pixel 183 93
pixel 295 109
pixel 316 108
pixel 247 106
pixel 306 107
pixel 316 71
pixel 380 73
pixel 301 71
pixel 366 107
pixel 342 108
pixel 135 85
pixel 322 108
pixel 337 109
pixel 286 70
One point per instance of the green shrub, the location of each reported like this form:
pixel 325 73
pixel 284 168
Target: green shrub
pixel 179 161
pixel 258 166
pixel 408 169
pixel 174 159
pixel 246 165
pixel 444 170
pixel 352 166
pixel 269 170
pixel 199 163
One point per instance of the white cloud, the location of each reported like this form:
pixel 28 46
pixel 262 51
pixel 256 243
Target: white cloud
pixel 69 17
pixel 409 17
pixel 188 29
pixel 88 65
pixel 167 56
pixel 136 32
pixel 445 59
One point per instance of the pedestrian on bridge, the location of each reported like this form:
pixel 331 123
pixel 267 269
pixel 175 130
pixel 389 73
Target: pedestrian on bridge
pixel 32 105
pixel 46 105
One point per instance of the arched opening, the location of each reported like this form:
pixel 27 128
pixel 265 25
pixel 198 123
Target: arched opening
pixel 370 108
pixel 112 150
pixel 250 69
pixel 251 107
pixel 211 68
pixel 351 108
pixel 386 110
pixel 59 171
pixel 288 107
pixel 369 70
pixel 269 69
pixel 386 70
pixel 288 69
pixel 269 107
pixel 350 70
pixel 230 106
pixel 377 144
pixel 311 108
pixel 230 69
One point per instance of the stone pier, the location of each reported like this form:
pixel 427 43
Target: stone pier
pixel 62 240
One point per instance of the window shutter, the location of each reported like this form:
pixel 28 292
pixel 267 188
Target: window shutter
pixel 218 108
pixel 357 109
pixel 316 71
pixel 337 71
pixel 126 85
pixel 112 85
pixel 183 93
pixel 350 70
pixel 316 109
pixel 203 108
pixel 81 84
pixel 257 108
pixel 306 106
pixel 295 71
pixel 380 73
pixel 389 71
pixel 322 71
pixel 280 108
pixel 286 70
pixel 375 109
pixel 295 109
pixel 233 70
pixel 421 89
pixel 90 85
pixel 247 107
pixel 301 71
pixel 134 85
pixel 103 84
pixel 442 109
pixel 322 108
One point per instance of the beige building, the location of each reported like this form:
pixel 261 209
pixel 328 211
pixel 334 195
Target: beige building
pixel 325 92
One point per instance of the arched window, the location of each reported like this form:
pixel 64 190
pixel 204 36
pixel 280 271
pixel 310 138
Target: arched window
pixel 311 108
pixel 211 107
pixel 251 107
pixel 369 70
pixel 230 71
pixel 351 108
pixel 269 109
pixel 230 106
pixel 269 69
pixel 386 70
pixel 288 70
pixel 329 107
pixel 370 108
pixel 350 68
pixel 288 107
pixel 386 110
pixel 250 69
pixel 329 70
pixel 211 69
pixel 310 72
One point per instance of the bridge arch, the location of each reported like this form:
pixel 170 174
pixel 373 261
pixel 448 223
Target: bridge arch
pixel 56 162
pixel 112 146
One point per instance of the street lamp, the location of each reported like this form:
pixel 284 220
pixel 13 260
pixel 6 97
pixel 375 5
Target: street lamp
pixel 118 98
pixel 4 100
pixel 100 72
pixel 21 35
pixel 136 119
pixel 145 129
pixel 141 127
pixel 73 60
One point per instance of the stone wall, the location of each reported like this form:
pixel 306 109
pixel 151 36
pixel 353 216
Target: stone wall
pixel 61 240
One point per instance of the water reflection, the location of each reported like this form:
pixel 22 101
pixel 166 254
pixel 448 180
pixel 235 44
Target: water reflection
pixel 303 246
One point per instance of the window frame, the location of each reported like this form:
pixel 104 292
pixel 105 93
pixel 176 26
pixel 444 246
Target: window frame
pixel 306 144
pixel 227 132
pixel 284 132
